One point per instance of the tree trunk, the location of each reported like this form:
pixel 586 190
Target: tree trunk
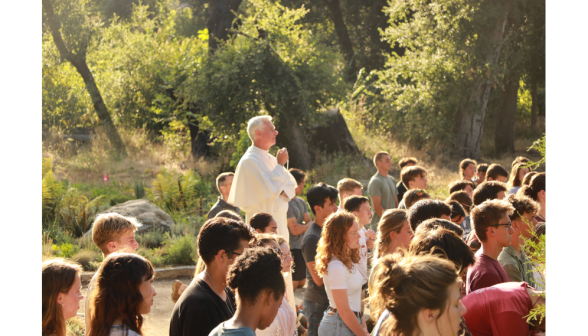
pixel 334 136
pixel 534 104
pixel 343 37
pixel 470 117
pixel 220 19
pixel 79 62
pixel 198 140
pixel 505 128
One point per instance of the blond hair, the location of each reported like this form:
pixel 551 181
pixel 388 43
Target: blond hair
pixel 332 242
pixel 392 221
pixel 109 227
pixel 348 185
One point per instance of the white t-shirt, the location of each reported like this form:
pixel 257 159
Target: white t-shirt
pixel 363 254
pixel 338 277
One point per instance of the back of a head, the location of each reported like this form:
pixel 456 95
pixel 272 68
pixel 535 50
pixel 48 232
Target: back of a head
pixel 260 221
pixel 488 190
pixel 220 233
pixel 536 185
pixel 435 223
pixel 444 243
pixel 407 160
pixel 414 195
pixel 463 198
pixel 319 193
pixel 410 173
pixel 528 177
pixel 425 209
pixel 353 203
pixel 229 214
pixel 111 226
pixel 405 285
pixel 348 185
pixel 118 282
pixel 522 204
pixel 456 210
pixel 263 239
pixel 220 180
pixel 58 276
pixel 482 168
pixel 487 214
pixel 298 174
pixel 495 170
pixel 460 185
pixel 256 269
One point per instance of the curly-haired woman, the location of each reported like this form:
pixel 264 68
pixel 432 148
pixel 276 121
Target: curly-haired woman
pixel 336 261
pixel 124 292
pixel 61 295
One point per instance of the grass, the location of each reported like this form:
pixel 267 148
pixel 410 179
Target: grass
pixel 84 167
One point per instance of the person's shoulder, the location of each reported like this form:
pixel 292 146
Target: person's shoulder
pixel 376 178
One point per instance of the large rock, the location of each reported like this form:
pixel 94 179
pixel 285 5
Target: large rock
pixel 149 214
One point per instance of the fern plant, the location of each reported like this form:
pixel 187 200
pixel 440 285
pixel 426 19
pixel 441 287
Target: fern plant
pixel 78 212
pixel 53 192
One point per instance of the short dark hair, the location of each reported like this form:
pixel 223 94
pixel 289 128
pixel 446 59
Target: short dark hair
pixel 488 190
pixel 412 196
pixel 229 214
pixel 456 209
pixel 489 214
pixel 220 180
pixel 221 233
pixel 260 221
pixel 410 173
pixel 402 163
pixel 298 174
pixel 482 167
pixel 318 194
pixel 435 223
pixel 256 269
pixel 460 185
pixel 445 244
pixel 523 204
pixel 496 170
pixel 354 202
pixel 463 198
pixel 425 209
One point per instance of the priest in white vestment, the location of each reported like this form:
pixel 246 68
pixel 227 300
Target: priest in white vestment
pixel 262 184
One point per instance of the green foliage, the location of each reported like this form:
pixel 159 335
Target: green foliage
pixel 242 145
pixel 535 250
pixel 538 145
pixel 139 188
pixel 175 192
pixel 78 212
pixel 53 192
pixel 151 239
pixel 86 258
pixel 181 251
pixel 65 250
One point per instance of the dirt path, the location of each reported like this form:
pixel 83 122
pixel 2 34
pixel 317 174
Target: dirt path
pixel 157 321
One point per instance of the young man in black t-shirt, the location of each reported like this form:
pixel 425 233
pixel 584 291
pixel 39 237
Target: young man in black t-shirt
pixel 321 198
pixel 405 162
pixel 207 301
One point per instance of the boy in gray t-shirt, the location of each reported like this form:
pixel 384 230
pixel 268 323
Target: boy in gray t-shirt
pixel 298 219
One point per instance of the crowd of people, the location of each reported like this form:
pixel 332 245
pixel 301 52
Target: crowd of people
pixel 424 266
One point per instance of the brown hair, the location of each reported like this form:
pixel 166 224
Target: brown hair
pixel 456 209
pixel 298 174
pixel 513 180
pixel 220 180
pixel 379 156
pixel 535 186
pixel 117 294
pixel 332 242
pixel 402 163
pixel 260 221
pixel 262 239
pixel 444 243
pixel 425 209
pixel 482 167
pixel 392 221
pixel 464 164
pixel 354 202
pixel 528 177
pixel 489 214
pixel 488 190
pixel 58 275
pixel 414 195
pixel 522 204
pixel 463 198
pixel 348 185
pixel 496 170
pixel 461 185
pixel 111 226
pixel 435 223
pixel 405 285
pixel 229 214
pixel 519 159
pixel 410 173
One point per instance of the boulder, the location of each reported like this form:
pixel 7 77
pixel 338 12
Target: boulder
pixel 147 213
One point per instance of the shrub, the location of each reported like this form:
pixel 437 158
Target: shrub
pixel 154 255
pixel 86 258
pixel 139 189
pixel 181 251
pixel 65 250
pixel 78 213
pixel 151 238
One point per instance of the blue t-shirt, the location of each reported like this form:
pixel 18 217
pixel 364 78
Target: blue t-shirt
pixel 222 330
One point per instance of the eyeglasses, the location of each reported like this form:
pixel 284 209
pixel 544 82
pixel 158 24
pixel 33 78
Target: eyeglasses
pixel 278 251
pixel 237 253
pixel 508 225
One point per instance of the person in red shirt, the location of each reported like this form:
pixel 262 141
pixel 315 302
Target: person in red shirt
pixel 500 310
pixel 493 228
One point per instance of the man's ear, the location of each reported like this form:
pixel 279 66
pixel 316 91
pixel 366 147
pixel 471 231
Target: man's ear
pixel 220 255
pixel 111 246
